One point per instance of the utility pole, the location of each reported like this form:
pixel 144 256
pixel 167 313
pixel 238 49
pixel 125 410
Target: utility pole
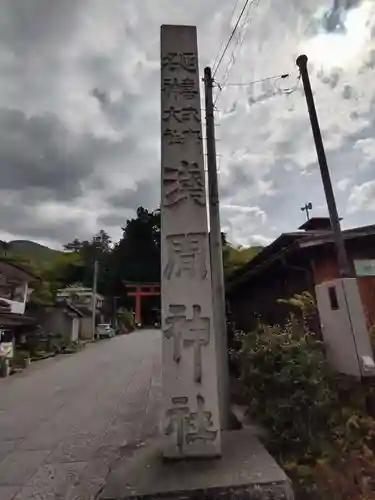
pixel 94 286
pixel 217 272
pixel 342 257
pixel 307 208
pixel 114 317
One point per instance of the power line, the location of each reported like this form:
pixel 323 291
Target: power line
pixel 240 40
pixel 288 90
pixel 239 44
pixel 222 44
pixel 232 35
pixel 276 78
pixel 245 84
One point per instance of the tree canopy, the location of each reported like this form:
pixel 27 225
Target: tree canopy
pixel 134 258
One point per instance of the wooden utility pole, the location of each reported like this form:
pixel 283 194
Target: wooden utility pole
pixel 94 287
pixel 217 272
pixel 342 256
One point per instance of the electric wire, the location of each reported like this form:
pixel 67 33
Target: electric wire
pixel 232 35
pixel 229 24
pixel 237 48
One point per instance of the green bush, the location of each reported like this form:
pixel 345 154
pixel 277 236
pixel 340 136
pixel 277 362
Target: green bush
pixel 285 380
pixel 318 428
pixel 372 337
pixel 126 318
pixel 20 357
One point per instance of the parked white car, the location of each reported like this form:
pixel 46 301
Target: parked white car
pixel 105 330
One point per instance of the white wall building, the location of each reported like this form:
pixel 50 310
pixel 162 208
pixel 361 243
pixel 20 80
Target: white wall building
pixel 14 288
pixel 80 296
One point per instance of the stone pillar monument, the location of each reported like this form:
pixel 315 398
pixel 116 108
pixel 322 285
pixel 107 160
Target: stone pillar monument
pixel 190 423
pixel 190 419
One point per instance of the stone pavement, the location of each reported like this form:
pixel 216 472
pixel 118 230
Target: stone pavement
pixel 66 421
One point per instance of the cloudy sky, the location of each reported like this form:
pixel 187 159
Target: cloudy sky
pixel 79 112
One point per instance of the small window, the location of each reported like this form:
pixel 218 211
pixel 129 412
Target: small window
pixel 333 300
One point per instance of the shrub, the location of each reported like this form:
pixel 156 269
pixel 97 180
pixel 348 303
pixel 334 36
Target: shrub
pixel 126 318
pixel 372 336
pixel 282 376
pixel 20 357
pixel 304 310
pixel 318 428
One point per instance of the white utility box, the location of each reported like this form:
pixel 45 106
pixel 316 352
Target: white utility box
pixel 344 328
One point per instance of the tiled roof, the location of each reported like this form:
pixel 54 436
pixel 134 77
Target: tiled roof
pixel 288 242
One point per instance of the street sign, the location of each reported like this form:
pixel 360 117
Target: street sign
pixel 364 267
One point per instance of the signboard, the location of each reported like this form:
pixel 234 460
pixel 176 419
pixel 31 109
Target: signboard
pixel 364 267
pixel 11 289
pixel 6 348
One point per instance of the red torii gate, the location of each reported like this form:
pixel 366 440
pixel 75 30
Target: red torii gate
pixel 139 290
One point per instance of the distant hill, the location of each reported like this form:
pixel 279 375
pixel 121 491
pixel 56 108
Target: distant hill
pixel 40 254
pixel 235 257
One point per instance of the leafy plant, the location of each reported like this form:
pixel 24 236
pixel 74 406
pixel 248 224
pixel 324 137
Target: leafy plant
pixel 20 357
pixel 372 336
pixel 303 301
pixel 282 376
pixel 126 318
pixel 318 427
pixel 303 308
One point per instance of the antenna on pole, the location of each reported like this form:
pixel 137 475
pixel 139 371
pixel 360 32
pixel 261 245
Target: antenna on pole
pixel 307 208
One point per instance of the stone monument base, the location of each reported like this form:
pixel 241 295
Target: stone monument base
pixel 245 471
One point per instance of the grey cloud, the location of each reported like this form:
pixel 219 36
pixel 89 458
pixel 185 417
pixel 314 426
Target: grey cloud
pixel 350 4
pixel 49 52
pixel 123 111
pixel 100 95
pixel 114 220
pixel 146 193
pixel 332 78
pixel 240 178
pixel 361 197
pixel 21 219
pixel 35 153
pixel 38 25
pixel 348 92
pixel 40 153
pixel 362 133
pixel 285 147
pixel 102 69
pixel 370 61
pixel 333 20
pixel 354 115
pixel 123 204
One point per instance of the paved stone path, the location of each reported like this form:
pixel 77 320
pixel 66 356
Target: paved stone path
pixel 65 421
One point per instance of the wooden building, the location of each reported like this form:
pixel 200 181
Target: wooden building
pixel 296 262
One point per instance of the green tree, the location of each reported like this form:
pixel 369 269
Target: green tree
pixel 4 247
pixel 136 257
pixel 74 246
pixel 99 249
pixel 236 256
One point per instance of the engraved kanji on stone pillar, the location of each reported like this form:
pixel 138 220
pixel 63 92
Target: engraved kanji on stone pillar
pixel 189 428
pixel 176 417
pixel 188 332
pixel 184 182
pixel 200 424
pixel 186 256
pixel 190 394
